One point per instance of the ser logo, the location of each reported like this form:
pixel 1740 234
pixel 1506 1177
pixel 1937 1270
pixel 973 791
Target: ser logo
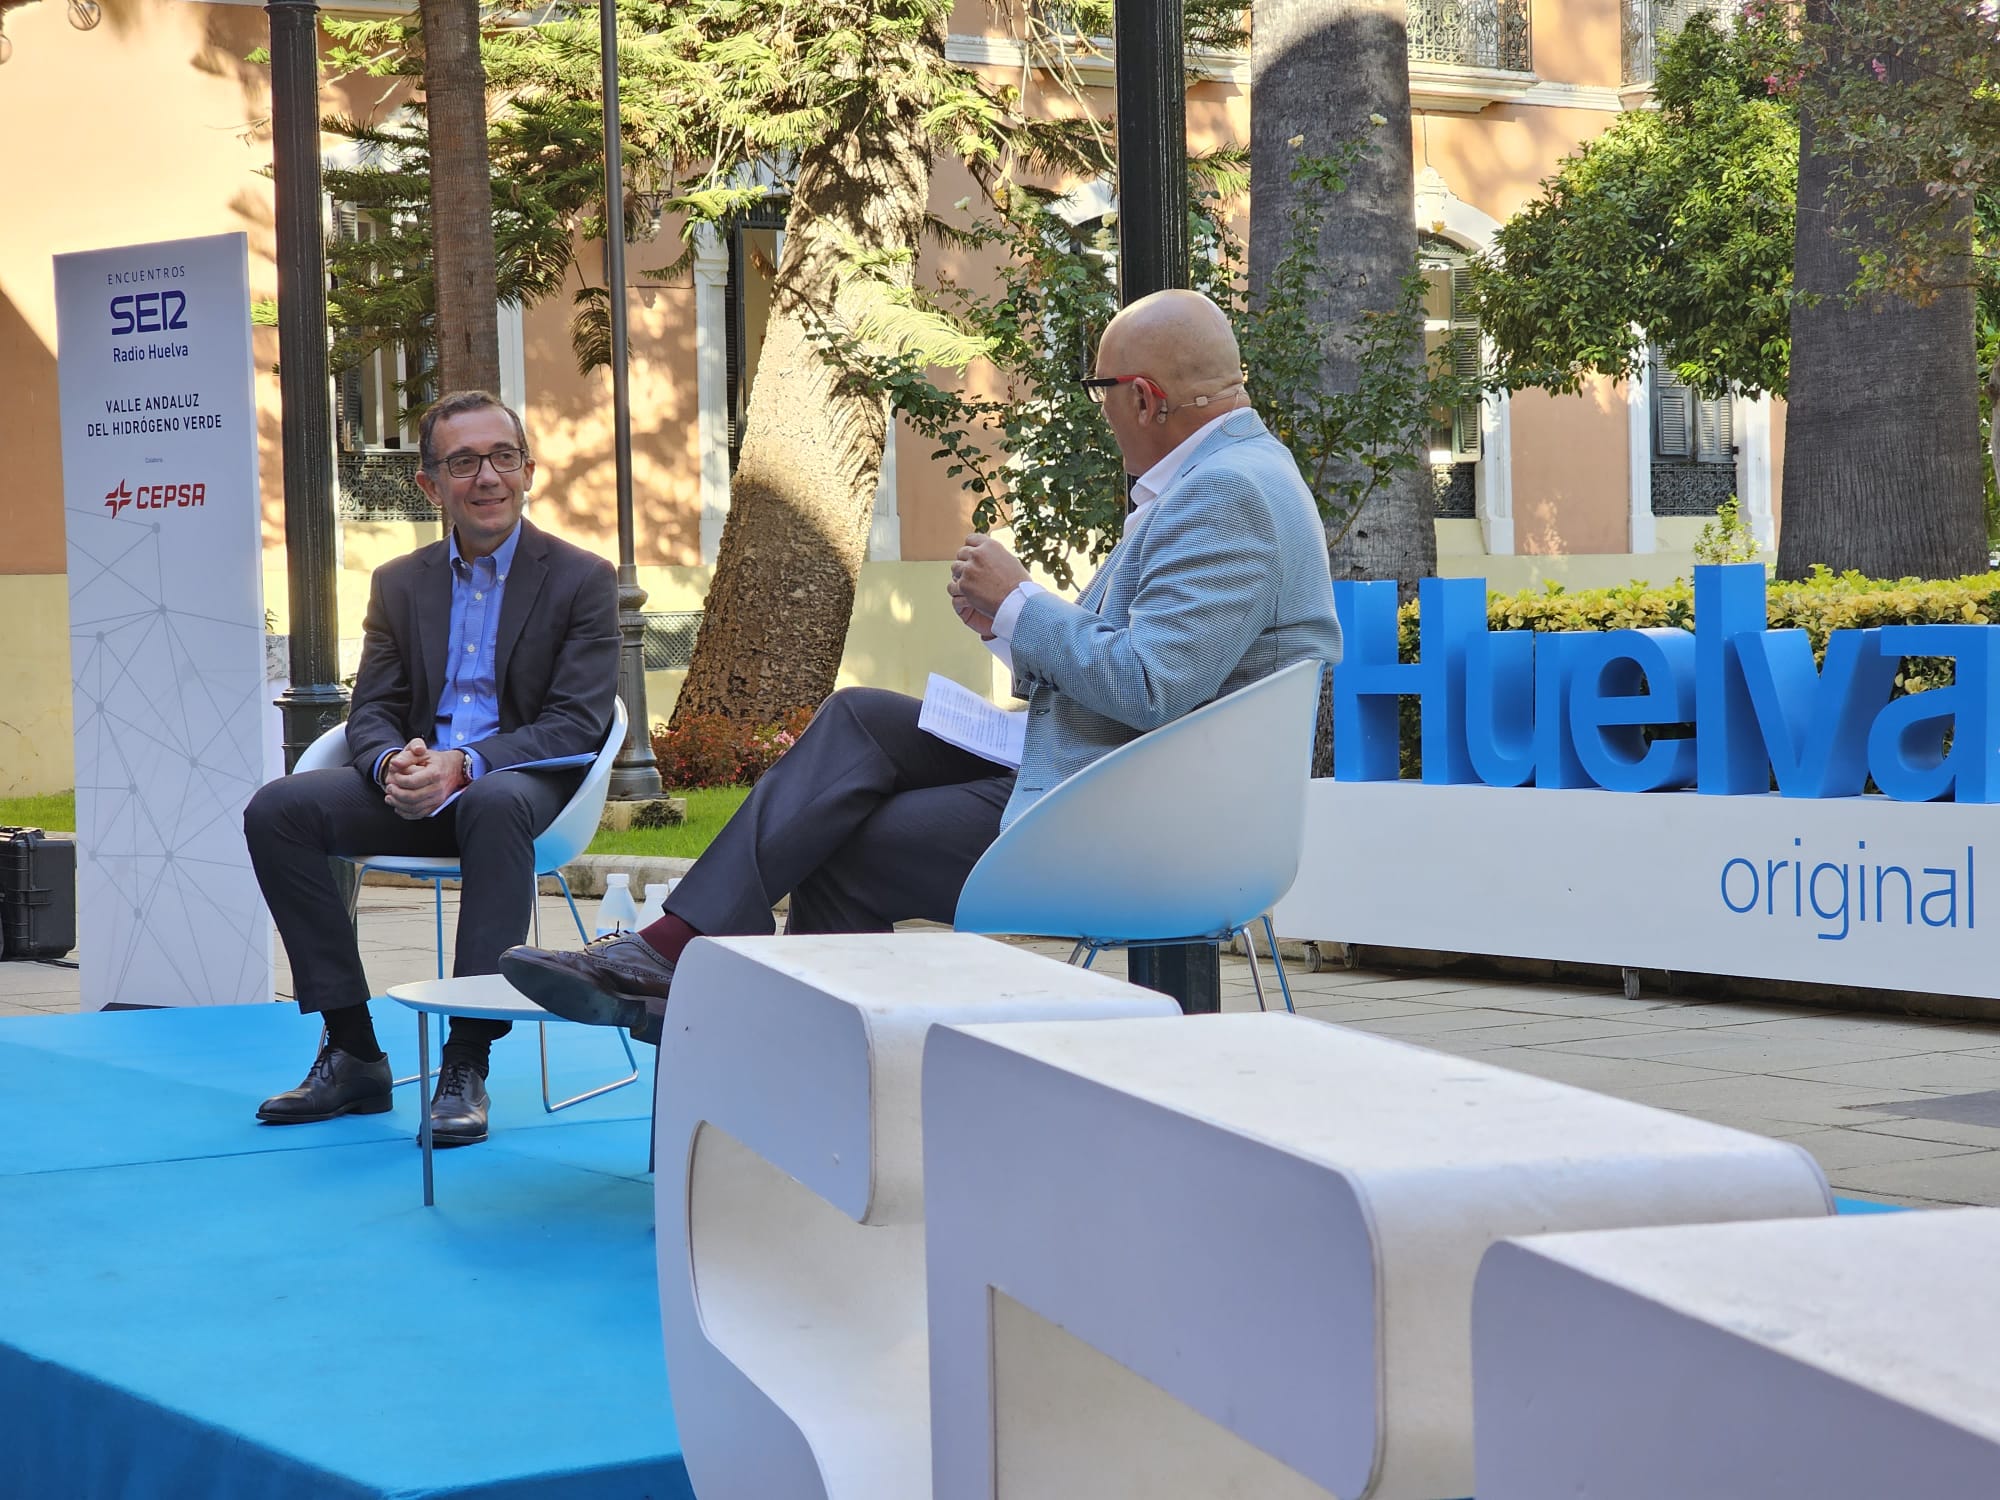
pixel 148 312
pixel 155 496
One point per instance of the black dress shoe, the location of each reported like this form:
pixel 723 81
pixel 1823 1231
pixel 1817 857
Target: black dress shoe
pixel 608 983
pixel 338 1083
pixel 458 1108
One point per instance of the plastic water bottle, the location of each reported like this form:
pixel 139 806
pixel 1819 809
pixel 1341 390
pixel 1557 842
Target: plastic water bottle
pixel 615 909
pixel 655 905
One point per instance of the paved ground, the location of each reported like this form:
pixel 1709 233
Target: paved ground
pixel 1895 1109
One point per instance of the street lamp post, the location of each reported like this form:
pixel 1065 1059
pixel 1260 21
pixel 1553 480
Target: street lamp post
pixel 635 775
pixel 1153 255
pixel 315 700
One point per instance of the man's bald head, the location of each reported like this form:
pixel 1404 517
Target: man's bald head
pixel 1183 345
pixel 1179 338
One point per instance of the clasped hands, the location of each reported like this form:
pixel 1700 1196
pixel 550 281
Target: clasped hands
pixel 416 781
pixel 982 575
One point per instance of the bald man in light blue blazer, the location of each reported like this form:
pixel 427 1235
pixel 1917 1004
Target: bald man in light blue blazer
pixel 1219 579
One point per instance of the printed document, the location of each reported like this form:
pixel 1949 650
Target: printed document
pixel 960 717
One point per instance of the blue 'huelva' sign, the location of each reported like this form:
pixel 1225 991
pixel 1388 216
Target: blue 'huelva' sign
pixel 1569 709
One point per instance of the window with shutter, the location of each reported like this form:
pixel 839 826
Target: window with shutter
pixel 1694 444
pixel 1688 428
pixel 1451 333
pixel 755 239
pixel 370 397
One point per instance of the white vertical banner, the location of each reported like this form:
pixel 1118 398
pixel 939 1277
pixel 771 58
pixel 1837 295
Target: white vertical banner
pixel 166 612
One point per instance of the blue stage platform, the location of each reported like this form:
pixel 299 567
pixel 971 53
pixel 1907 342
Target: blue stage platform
pixel 195 1305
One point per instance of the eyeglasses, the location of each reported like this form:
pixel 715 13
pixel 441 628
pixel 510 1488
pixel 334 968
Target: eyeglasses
pixel 1098 387
pixel 465 465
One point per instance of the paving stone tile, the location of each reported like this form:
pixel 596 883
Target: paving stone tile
pixel 1522 1029
pixel 1973 1177
pixel 1398 988
pixel 1435 1022
pixel 1957 1132
pixel 1923 1036
pixel 1725 1051
pixel 1625 1078
pixel 1765 1096
pixel 1935 1073
pixel 1353 1012
pixel 1836 1150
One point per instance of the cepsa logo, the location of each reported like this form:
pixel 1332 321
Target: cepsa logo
pixel 155 496
pixel 148 312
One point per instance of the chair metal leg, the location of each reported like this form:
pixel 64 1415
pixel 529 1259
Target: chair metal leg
pixel 1256 978
pixel 563 881
pixel 653 1117
pixel 423 1105
pixel 1271 938
pixel 551 1106
pixel 437 906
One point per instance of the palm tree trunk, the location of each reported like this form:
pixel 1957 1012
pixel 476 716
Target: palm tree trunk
pixel 468 333
pixel 777 613
pixel 1319 70
pixel 1882 454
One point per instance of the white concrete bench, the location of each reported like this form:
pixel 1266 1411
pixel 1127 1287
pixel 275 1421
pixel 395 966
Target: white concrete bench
pixel 790 1199
pixel 1840 1359
pixel 1234 1255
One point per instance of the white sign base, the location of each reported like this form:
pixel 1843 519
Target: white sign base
pixel 159 443
pixel 1851 891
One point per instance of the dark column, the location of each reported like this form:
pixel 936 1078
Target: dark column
pixel 1153 255
pixel 315 701
pixel 634 774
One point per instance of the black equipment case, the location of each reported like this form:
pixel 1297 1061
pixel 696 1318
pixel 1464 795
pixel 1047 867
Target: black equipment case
pixel 37 894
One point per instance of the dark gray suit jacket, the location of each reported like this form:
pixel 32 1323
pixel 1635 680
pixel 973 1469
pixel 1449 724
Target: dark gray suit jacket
pixel 555 660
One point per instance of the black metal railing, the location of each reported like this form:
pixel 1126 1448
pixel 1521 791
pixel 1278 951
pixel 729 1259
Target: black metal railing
pixel 379 485
pixel 669 639
pixel 1473 33
pixel 1650 24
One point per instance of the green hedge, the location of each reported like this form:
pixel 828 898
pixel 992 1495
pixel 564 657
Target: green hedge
pixel 1819 605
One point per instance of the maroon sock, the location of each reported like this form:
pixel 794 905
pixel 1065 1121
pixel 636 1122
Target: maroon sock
pixel 668 937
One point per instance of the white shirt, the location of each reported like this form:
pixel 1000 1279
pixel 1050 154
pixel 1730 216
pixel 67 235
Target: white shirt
pixel 1145 490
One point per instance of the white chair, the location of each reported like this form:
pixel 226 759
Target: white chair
pixel 562 841
pixel 1188 834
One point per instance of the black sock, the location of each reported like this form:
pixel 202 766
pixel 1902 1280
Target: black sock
pixel 471 1040
pixel 352 1030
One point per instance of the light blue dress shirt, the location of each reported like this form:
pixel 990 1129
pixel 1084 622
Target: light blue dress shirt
pixel 468 708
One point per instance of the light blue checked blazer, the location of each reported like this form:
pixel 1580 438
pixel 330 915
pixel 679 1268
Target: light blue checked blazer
pixel 1219 581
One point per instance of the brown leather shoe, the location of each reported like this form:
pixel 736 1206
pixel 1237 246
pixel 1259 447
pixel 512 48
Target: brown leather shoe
pixel 338 1083
pixel 605 984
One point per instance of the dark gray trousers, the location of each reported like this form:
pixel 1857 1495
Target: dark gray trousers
pixel 865 822
pixel 293 824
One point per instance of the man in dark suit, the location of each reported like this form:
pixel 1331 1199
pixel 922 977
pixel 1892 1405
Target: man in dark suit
pixel 492 648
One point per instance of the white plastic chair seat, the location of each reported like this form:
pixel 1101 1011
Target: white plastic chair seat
pixel 562 841
pixel 1189 833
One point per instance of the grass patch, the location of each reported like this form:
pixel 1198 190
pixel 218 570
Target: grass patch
pixel 56 811
pixel 707 810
